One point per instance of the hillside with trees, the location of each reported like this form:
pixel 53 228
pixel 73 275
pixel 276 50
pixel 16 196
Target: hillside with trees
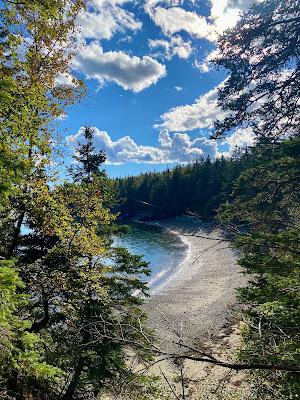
pixel 198 188
pixel 69 315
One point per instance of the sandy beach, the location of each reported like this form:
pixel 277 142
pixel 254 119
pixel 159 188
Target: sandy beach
pixel 196 301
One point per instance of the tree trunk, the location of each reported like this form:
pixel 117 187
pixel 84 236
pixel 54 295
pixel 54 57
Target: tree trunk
pixel 16 235
pixel 69 394
pixel 38 325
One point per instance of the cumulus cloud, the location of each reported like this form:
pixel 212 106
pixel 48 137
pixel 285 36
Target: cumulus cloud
pixel 205 65
pixel 176 148
pixel 176 19
pixel 104 18
pixel 201 114
pixel 224 14
pixel 130 72
pixel 176 46
pixel 241 138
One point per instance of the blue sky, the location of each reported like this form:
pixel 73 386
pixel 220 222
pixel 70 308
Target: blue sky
pixel 151 89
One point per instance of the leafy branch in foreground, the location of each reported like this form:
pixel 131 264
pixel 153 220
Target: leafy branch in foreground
pixel 60 278
pixel 267 198
pixel 32 54
pixel 79 289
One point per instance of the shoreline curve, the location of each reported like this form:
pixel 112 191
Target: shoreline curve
pixel 197 299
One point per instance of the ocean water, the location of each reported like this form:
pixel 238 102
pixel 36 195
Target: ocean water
pixel 163 249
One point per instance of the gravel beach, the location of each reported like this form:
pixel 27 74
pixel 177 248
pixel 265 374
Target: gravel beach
pixel 196 301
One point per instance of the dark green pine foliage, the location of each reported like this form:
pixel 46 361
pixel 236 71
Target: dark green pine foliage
pixel 89 161
pixel 197 188
pixel 261 56
pixel 265 209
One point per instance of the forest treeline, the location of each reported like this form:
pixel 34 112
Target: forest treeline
pixel 69 318
pixel 198 188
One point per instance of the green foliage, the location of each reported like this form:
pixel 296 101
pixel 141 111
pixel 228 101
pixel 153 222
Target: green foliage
pixel 69 312
pixel 88 159
pixel 198 188
pixel 21 351
pixel 261 54
pixel 265 209
pixel 80 290
pixel 34 36
pixel 27 104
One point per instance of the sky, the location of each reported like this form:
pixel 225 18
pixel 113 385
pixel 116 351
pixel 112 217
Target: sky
pixel 152 91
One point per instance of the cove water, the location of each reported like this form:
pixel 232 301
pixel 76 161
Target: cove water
pixel 163 249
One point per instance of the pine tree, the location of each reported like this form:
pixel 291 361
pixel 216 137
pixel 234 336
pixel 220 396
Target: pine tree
pixel 262 56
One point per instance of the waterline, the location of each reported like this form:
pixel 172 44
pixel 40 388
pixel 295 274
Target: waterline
pixel 164 249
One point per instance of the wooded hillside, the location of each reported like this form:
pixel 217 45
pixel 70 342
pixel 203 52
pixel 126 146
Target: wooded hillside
pixel 197 188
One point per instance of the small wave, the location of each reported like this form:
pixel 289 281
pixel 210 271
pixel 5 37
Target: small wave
pixel 158 276
pixel 166 274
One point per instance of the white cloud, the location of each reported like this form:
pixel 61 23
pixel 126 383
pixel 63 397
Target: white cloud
pixel 104 18
pixel 241 138
pixel 176 46
pixel 65 79
pixel 205 65
pixel 178 148
pixel 225 13
pixel 178 88
pixel 130 72
pixel 171 17
pixel 176 19
pixel 201 114
pixel 202 66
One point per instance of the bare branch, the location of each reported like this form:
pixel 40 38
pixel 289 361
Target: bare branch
pixel 169 384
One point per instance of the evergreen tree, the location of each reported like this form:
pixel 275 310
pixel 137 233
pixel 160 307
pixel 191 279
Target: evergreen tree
pixel 198 188
pixel 262 54
pixel 266 206
pixel 261 93
pixel 68 309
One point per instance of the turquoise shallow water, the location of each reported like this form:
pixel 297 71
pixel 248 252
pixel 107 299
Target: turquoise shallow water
pixel 163 249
